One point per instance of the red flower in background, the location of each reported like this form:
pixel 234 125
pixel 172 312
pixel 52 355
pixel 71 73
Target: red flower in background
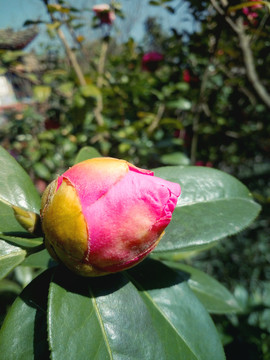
pixel 104 13
pixel 188 76
pixel 151 61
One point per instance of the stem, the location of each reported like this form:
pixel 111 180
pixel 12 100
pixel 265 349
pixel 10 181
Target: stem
pixel 101 65
pixel 72 58
pixel 158 117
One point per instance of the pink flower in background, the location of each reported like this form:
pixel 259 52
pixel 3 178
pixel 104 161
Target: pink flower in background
pixel 151 61
pixel 105 215
pixel 250 13
pixel 104 13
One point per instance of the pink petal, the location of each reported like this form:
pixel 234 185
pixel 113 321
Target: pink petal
pixel 128 220
pixel 93 178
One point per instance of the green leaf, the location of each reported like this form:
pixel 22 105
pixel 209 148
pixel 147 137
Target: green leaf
pixel 42 93
pixel 16 186
pixel 57 7
pixel 23 334
pixel 170 9
pixel 12 231
pixel 213 295
pixel 42 171
pixel 40 259
pixel 181 104
pixel 67 88
pixel 87 152
pixel 185 328
pixel 176 158
pixel 90 90
pixel 10 257
pixel 9 286
pixel 109 320
pixel 212 205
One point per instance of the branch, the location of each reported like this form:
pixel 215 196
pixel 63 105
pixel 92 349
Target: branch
pixel 72 58
pixel 71 55
pixel 250 65
pixel 158 117
pixel 244 42
pixel 101 65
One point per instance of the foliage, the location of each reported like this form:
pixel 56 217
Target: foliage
pixel 153 310
pixel 207 103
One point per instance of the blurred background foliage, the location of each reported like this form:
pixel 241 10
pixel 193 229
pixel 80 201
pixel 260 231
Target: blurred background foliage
pixel 174 98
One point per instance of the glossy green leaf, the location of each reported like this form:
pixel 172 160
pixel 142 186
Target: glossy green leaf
pixel 23 334
pixel 109 320
pixel 212 205
pixel 10 257
pixel 12 231
pixel 184 326
pixel 16 186
pixel 87 152
pixel 40 259
pixel 213 295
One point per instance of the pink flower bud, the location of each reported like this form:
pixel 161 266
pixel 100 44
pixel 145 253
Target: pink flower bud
pixel 104 13
pixel 105 215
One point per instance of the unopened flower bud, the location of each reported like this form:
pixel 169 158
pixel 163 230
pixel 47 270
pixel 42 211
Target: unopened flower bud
pixel 105 215
pixel 29 220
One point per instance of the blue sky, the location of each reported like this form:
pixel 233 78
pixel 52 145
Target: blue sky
pixel 13 13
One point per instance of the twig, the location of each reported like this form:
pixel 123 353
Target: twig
pixel 158 117
pixel 198 109
pixel 71 55
pixel 244 42
pixel 101 65
pixel 72 58
pixel 250 65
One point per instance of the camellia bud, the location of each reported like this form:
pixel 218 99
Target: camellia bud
pixel 105 215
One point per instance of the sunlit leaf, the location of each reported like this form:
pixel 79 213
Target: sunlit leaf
pixel 90 90
pixel 212 206
pixel 42 93
pixel 12 231
pixel 16 186
pixel 109 320
pixel 184 326
pixel 87 152
pixel 10 257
